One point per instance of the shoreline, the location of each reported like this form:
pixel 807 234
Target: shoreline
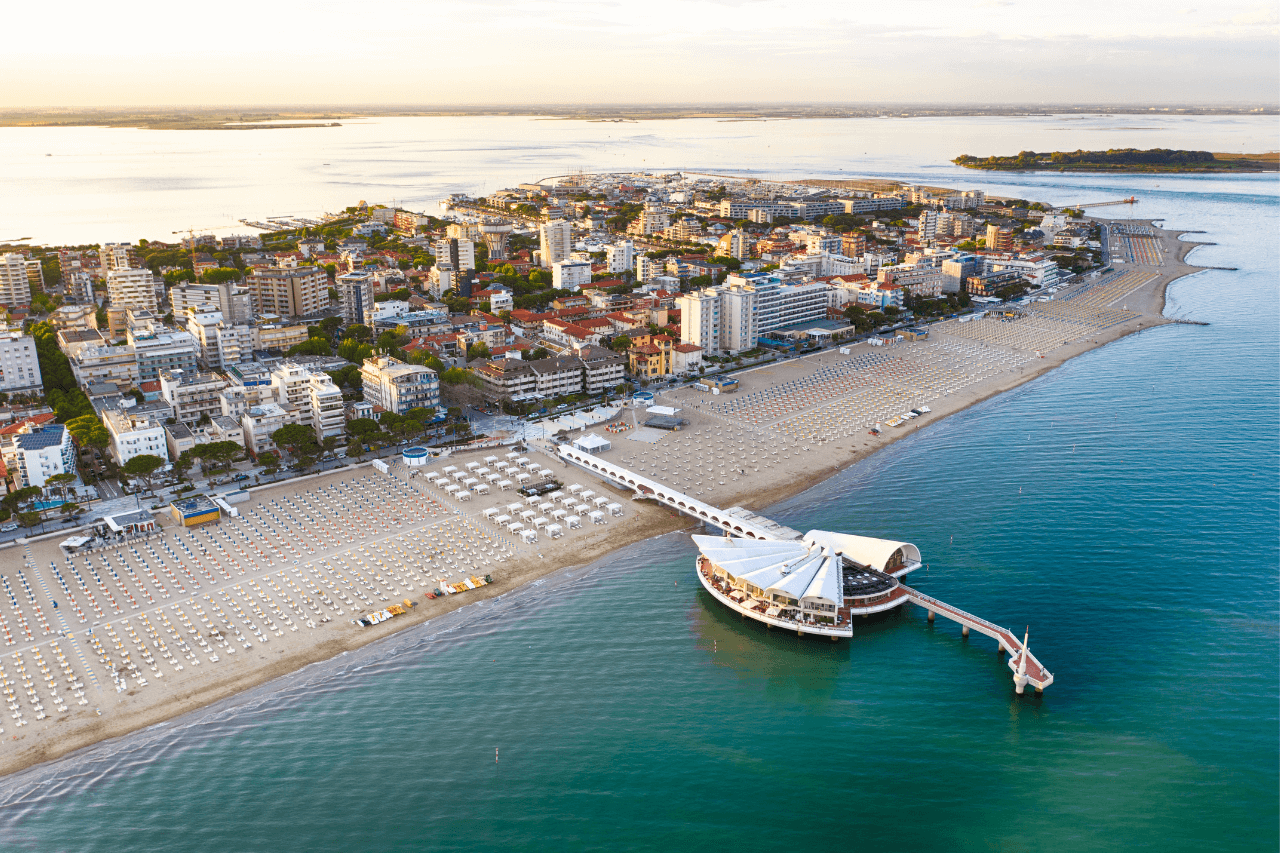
pixel 645 521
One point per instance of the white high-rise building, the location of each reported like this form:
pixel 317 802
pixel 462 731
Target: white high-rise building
pixel 317 398
pixel 570 275
pixel 219 343
pixel 620 257
pixel 647 267
pixel 19 367
pixel 15 286
pixel 355 291
pixel 398 387
pixel 927 225
pixel 134 435
pixel 700 319
pixel 555 242
pixel 229 298
pixel 132 288
pixel 458 252
pixel 738 325
pixel 117 256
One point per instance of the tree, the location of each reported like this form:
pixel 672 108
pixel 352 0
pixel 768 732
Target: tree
pixel 301 440
pixel 620 343
pixel 270 461
pixel 220 275
pixel 329 325
pixel 58 483
pixel 354 351
pixel 363 428
pixel 355 448
pixel 29 519
pixel 539 354
pixel 143 466
pixel 477 350
pixel 88 431
pixel 311 346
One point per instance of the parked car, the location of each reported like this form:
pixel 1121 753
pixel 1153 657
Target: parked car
pixel 9 528
pixel 240 478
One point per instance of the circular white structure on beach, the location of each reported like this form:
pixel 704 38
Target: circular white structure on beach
pixel 415 456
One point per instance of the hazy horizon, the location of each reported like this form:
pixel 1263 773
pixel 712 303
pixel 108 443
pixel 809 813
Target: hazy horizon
pixel 572 52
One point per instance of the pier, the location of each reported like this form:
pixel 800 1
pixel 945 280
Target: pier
pixel 877 564
pixel 1130 200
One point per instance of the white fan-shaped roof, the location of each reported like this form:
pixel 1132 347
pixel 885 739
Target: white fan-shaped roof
pixel 863 549
pixel 825 585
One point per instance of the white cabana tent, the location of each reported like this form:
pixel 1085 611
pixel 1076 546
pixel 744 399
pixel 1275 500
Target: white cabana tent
pixel 591 443
pixel 573 522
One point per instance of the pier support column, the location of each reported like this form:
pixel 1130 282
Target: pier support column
pixel 964 630
pixel 930 617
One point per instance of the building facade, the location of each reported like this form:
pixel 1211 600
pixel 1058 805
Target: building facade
pixel 19 367
pixel 399 387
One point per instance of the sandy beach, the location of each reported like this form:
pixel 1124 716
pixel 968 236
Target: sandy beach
pixel 184 619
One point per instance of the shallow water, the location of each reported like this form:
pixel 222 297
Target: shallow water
pixel 1124 506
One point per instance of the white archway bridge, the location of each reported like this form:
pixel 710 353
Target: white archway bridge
pixel 882 557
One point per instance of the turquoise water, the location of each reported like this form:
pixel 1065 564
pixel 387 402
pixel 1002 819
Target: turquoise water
pixel 1124 506
pixel 43 505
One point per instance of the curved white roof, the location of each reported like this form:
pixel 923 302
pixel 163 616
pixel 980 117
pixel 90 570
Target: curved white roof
pixel 862 549
pixel 797 570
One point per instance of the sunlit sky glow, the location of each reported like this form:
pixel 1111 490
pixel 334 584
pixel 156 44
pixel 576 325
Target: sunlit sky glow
pixel 658 51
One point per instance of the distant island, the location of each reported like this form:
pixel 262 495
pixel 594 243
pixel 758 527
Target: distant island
pixel 1125 160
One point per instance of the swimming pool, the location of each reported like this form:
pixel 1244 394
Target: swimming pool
pixel 41 506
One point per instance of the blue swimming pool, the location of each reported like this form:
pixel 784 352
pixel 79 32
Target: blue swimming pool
pixel 43 505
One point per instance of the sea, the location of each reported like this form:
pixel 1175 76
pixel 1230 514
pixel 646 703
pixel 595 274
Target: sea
pixel 1123 509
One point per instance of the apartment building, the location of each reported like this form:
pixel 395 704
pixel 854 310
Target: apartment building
pixel 315 396
pixel 259 422
pixel 648 268
pixel 231 299
pixel 134 434
pixel 289 291
pixel 157 348
pixel 105 364
pixel 700 318
pixel 19 367
pixel 15 286
pixel 920 282
pixel 602 369
pixel 192 396
pixel 570 275
pixel 130 288
pixel 355 292
pixel 620 257
pixel 218 343
pixel 458 252
pixel 399 387
pixel 41 453
pixel 74 317
pixel 117 256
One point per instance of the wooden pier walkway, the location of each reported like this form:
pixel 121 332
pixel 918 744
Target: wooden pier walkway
pixel 1027 669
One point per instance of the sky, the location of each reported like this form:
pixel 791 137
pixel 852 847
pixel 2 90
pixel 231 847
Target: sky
pixel 431 53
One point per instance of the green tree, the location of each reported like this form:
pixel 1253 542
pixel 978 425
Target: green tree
pixel 300 439
pixel 144 467
pixel 363 428
pixel 312 346
pixel 88 431
pixel 219 275
pixel 270 461
pixel 620 343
